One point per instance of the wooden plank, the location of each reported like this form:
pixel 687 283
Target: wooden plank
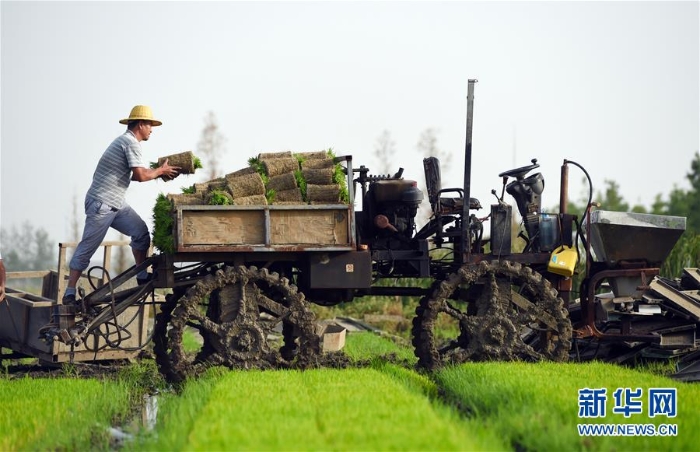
pixel 694 294
pixel 675 297
pixel 693 274
pixel 222 227
pixel 27 274
pixel 27 299
pixel 49 285
pixel 317 226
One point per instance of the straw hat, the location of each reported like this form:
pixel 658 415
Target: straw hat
pixel 141 112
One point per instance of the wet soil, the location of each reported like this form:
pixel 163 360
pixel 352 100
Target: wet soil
pixel 13 370
pixel 34 368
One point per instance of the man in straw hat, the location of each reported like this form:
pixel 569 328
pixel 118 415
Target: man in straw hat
pixel 104 202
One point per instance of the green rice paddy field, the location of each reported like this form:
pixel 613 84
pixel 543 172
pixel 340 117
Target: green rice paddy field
pixel 380 404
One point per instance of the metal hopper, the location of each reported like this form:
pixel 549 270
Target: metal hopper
pixel 628 236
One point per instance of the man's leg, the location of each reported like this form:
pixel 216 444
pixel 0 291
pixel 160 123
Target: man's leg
pixel 129 223
pixel 139 255
pixel 98 218
pixel 73 277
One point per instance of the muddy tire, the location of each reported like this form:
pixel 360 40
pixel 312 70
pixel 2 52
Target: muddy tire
pixel 491 311
pixel 160 331
pixel 242 317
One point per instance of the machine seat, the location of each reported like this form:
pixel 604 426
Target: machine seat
pixel 443 205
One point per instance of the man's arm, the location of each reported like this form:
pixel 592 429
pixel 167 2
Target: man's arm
pixel 141 174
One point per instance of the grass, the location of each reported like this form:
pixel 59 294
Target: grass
pixel 475 406
pixel 182 410
pixel 364 346
pixel 55 414
pixel 385 407
pixel 535 406
pixel 191 341
pixel 382 406
pixel 66 412
pixel 321 409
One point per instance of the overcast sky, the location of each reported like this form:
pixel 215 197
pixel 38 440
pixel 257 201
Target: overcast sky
pixel 613 86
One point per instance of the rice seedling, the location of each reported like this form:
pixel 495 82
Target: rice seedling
pixel 534 406
pixel 324 409
pixel 60 413
pixel 367 345
pixel 163 225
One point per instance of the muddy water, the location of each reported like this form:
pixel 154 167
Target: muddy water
pixel 143 421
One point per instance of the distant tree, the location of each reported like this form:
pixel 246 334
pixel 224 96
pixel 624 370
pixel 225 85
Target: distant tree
pixel 686 254
pixel 427 146
pixel 26 249
pixel 611 199
pixel 75 230
pixel 678 204
pixel 573 207
pixel 211 146
pixel 75 222
pixel 683 203
pixel 693 196
pixel 659 206
pixel 385 150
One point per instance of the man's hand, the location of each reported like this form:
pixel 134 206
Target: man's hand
pixel 164 171
pixel 169 172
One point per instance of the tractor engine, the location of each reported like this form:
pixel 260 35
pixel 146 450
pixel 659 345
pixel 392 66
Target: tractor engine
pixel 390 208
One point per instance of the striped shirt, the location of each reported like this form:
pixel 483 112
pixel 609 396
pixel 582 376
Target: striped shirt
pixel 113 173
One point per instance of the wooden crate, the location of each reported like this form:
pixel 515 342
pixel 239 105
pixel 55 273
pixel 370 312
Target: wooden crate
pixel 23 314
pixel 264 228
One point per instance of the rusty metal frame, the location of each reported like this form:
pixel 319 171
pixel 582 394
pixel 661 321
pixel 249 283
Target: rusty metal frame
pixel 587 328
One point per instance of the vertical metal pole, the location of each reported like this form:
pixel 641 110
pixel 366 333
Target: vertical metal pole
pixel 564 188
pixel 351 200
pixel 466 252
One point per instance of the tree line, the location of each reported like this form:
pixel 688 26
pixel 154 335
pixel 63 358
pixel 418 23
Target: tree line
pixel 26 247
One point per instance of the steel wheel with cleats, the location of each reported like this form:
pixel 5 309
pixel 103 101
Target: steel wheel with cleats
pixel 242 317
pixel 497 310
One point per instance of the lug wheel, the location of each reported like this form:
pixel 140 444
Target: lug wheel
pixel 160 330
pixel 240 317
pixel 491 311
